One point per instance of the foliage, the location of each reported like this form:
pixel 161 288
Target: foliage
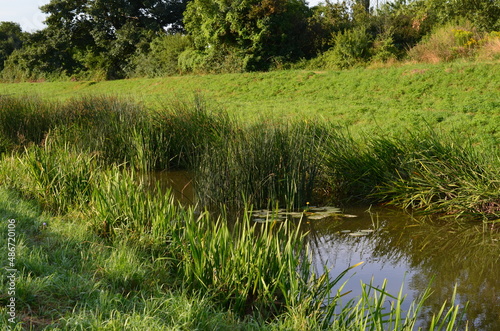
pixel 484 14
pixel 327 18
pixel 45 55
pixel 92 37
pixel 11 38
pixel 162 58
pixel 261 32
pixel 446 44
pixel 351 48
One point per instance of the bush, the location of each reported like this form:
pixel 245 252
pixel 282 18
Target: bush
pixel 383 49
pixel 446 44
pixel 162 58
pixel 351 48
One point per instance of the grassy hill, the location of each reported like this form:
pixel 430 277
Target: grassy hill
pixel 458 97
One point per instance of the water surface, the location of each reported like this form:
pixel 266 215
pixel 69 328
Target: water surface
pixel 405 250
pixel 415 252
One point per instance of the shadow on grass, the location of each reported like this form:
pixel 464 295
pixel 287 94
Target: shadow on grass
pixel 68 278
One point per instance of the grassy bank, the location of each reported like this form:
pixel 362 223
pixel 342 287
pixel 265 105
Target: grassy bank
pixel 116 251
pixel 70 278
pixel 456 97
pixel 236 165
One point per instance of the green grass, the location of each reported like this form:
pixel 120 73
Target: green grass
pixel 121 253
pixel 458 97
pixel 71 279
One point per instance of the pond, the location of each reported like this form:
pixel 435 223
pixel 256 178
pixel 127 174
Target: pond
pixel 405 250
pixel 415 252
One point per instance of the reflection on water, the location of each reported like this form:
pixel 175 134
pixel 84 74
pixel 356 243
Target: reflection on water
pixel 179 181
pixel 403 250
pixel 416 252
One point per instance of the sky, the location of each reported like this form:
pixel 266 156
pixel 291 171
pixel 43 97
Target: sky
pixel 24 12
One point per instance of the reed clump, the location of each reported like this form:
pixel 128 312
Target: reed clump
pixel 267 165
pixel 286 165
pixel 252 269
pixel 181 131
pixel 58 177
pixel 24 120
pixel 122 202
pixel 430 172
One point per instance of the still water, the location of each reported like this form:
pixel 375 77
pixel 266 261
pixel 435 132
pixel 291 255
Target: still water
pixel 405 250
pixel 415 252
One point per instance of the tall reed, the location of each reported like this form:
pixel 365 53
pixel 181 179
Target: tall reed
pixel 180 131
pixel 441 174
pixel 376 309
pixel 263 270
pixel 56 175
pixel 266 164
pixel 24 120
pixel 425 171
pixel 104 125
pixel 124 203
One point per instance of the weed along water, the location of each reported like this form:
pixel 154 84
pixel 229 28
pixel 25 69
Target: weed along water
pixel 399 251
pixel 105 166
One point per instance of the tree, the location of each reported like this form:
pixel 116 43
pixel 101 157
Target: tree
pixel 104 34
pixel 11 36
pixel 328 18
pixel 484 14
pixel 260 31
pixel 45 54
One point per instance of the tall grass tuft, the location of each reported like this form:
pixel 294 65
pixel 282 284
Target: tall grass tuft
pixel 57 176
pixel 376 309
pixel 356 167
pixel 124 203
pixel 260 270
pixel 181 131
pixel 268 165
pixel 104 125
pixel 439 174
pixel 24 120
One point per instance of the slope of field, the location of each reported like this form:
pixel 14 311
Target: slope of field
pixel 457 97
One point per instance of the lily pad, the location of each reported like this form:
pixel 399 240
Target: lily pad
pixel 332 210
pixel 358 234
pixel 318 216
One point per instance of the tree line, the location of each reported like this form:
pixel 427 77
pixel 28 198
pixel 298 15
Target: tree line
pixel 97 39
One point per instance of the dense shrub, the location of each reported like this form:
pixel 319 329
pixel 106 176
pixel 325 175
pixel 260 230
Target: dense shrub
pixel 162 59
pixel 350 48
pixel 448 43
